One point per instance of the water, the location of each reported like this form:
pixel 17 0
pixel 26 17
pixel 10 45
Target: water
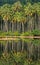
pixel 31 46
pixel 20 52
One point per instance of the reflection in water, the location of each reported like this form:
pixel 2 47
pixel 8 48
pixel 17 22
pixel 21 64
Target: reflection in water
pixel 30 46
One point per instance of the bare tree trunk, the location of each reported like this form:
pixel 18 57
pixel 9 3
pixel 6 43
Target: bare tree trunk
pixel 18 26
pixel 12 26
pixel 1 24
pixel 38 22
pixel 30 24
pixel 6 26
pixel 22 27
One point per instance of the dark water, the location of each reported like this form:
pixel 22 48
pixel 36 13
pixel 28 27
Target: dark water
pixel 31 46
pixel 20 52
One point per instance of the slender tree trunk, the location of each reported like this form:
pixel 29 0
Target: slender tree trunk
pixel 35 21
pixel 6 26
pixel 1 24
pixel 18 27
pixel 22 27
pixel 12 26
pixel 38 22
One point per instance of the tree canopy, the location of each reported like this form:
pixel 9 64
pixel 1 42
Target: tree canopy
pixel 17 11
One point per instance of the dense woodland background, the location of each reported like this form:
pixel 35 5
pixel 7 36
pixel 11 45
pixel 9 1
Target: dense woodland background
pixel 22 1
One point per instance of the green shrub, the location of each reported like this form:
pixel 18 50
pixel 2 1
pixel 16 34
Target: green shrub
pixel 36 32
pixel 16 33
pixel 28 33
pixel 36 41
pixel 9 33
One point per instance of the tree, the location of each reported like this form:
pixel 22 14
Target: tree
pixel 27 9
pixel 6 14
pixel 35 14
pixel 19 17
pixel 28 14
pixel 0 19
pixel 16 6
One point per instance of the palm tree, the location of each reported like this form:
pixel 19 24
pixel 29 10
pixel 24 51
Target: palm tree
pixel 17 6
pixel 35 11
pixel 19 18
pixel 0 19
pixel 28 14
pixel 27 9
pixel 5 14
pixel 16 19
pixel 23 20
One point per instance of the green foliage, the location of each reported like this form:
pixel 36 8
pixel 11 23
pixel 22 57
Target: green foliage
pixel 6 33
pixel 16 33
pixel 28 33
pixel 27 40
pixel 36 32
pixel 8 12
pixel 36 41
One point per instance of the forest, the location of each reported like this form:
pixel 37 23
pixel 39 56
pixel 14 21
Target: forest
pixel 22 1
pixel 20 18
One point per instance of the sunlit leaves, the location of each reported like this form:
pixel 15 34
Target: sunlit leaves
pixel 18 12
pixel 27 9
pixel 16 6
pixel 36 8
pixel 17 16
pixel 30 9
pixel 5 12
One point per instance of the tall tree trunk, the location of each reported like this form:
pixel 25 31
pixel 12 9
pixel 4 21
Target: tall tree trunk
pixel 1 24
pixel 18 27
pixel 12 26
pixel 38 22
pixel 6 25
pixel 22 27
